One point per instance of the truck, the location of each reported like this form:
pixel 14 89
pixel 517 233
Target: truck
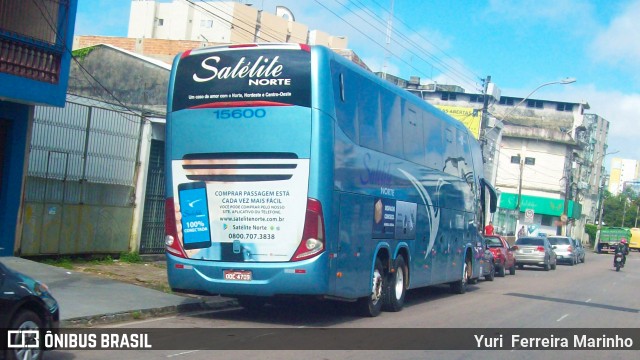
pixel 634 243
pixel 610 237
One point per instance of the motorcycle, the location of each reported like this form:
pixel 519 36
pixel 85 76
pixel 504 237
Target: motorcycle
pixel 617 261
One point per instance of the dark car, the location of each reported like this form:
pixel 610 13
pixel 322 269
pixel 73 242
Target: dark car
pixel 502 254
pixel 486 262
pixel 26 304
pixel 579 249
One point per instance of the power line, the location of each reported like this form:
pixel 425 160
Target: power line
pixel 462 76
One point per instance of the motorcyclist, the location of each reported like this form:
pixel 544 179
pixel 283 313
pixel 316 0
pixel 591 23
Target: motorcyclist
pixel 622 248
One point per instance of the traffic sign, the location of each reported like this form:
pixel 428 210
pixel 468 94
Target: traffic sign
pixel 528 216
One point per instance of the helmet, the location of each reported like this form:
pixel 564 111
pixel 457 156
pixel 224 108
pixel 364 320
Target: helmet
pixel 623 241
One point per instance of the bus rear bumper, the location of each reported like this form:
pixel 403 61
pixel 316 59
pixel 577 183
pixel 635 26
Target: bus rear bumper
pixel 307 277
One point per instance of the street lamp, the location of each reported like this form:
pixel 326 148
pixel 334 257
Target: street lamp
pixel 518 203
pixel 562 82
pixel 603 183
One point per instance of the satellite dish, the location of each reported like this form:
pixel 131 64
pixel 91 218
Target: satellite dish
pixel 283 12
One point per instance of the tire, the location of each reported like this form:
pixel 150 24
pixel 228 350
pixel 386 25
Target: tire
pixel 370 306
pixel 492 273
pixel 252 303
pixel 501 270
pixel 460 286
pixel 512 269
pixel 617 267
pixel 554 265
pixel 25 320
pixel 396 286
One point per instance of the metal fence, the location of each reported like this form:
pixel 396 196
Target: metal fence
pixel 80 186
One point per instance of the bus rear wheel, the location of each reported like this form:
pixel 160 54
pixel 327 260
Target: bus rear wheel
pixel 371 305
pixel 460 286
pixel 396 288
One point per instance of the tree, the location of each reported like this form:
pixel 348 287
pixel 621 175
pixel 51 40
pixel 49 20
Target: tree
pixel 622 209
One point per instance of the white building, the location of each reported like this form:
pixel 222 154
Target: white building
pixel 622 170
pixel 221 22
pixel 543 155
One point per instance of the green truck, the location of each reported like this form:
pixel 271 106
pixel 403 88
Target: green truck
pixel 611 236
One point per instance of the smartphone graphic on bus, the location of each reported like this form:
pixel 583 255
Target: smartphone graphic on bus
pixel 194 207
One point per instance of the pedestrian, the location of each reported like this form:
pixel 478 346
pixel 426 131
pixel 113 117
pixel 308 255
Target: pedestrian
pixel 522 232
pixel 488 230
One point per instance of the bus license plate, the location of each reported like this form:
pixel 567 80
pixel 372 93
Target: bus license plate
pixel 237 275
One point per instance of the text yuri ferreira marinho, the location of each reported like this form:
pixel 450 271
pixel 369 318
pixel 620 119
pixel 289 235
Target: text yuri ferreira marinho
pixel 514 341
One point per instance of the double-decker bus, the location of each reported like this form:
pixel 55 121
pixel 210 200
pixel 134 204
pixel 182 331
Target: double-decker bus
pixel 293 171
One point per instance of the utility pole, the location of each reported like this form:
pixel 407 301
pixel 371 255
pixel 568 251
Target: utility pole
pixel 567 196
pixel 485 116
pixel 603 183
pixel 624 211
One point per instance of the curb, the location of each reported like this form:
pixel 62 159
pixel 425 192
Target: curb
pixel 133 315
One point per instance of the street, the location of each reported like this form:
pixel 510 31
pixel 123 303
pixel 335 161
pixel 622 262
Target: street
pixel 589 295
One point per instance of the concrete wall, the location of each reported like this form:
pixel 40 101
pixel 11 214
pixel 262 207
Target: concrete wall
pixel 53 228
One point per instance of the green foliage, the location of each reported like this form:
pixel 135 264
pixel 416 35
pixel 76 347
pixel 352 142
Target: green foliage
pixel 80 54
pixel 101 260
pixel 131 257
pixel 621 210
pixel 591 230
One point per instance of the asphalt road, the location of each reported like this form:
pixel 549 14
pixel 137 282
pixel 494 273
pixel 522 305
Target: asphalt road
pixel 589 295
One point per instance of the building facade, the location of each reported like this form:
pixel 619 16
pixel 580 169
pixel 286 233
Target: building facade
pixel 221 22
pixel 34 70
pixel 545 157
pixel 622 170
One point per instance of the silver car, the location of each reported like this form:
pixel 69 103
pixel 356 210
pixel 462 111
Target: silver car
pixel 535 251
pixel 581 254
pixel 565 249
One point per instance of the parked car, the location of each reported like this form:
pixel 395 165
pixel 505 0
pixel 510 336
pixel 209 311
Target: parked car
pixel 486 261
pixel 26 304
pixel 535 251
pixel 581 254
pixel 565 249
pixel 502 254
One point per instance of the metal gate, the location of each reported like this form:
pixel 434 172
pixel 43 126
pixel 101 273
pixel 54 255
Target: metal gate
pixel 152 237
pixel 80 181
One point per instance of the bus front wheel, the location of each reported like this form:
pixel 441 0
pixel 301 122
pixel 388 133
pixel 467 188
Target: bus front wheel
pixel 371 305
pixel 396 288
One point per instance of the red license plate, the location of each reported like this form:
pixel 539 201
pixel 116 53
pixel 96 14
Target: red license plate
pixel 237 275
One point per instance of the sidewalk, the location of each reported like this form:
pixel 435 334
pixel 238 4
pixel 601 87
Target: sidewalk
pixel 87 300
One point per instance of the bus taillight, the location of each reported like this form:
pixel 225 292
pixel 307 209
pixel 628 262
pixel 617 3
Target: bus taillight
pixel 313 242
pixel 171 241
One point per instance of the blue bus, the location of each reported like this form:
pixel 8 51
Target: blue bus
pixel 293 171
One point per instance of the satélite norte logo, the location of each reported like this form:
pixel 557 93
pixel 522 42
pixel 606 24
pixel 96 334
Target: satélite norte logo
pixel 23 339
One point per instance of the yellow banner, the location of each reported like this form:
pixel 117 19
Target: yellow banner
pixel 470 117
